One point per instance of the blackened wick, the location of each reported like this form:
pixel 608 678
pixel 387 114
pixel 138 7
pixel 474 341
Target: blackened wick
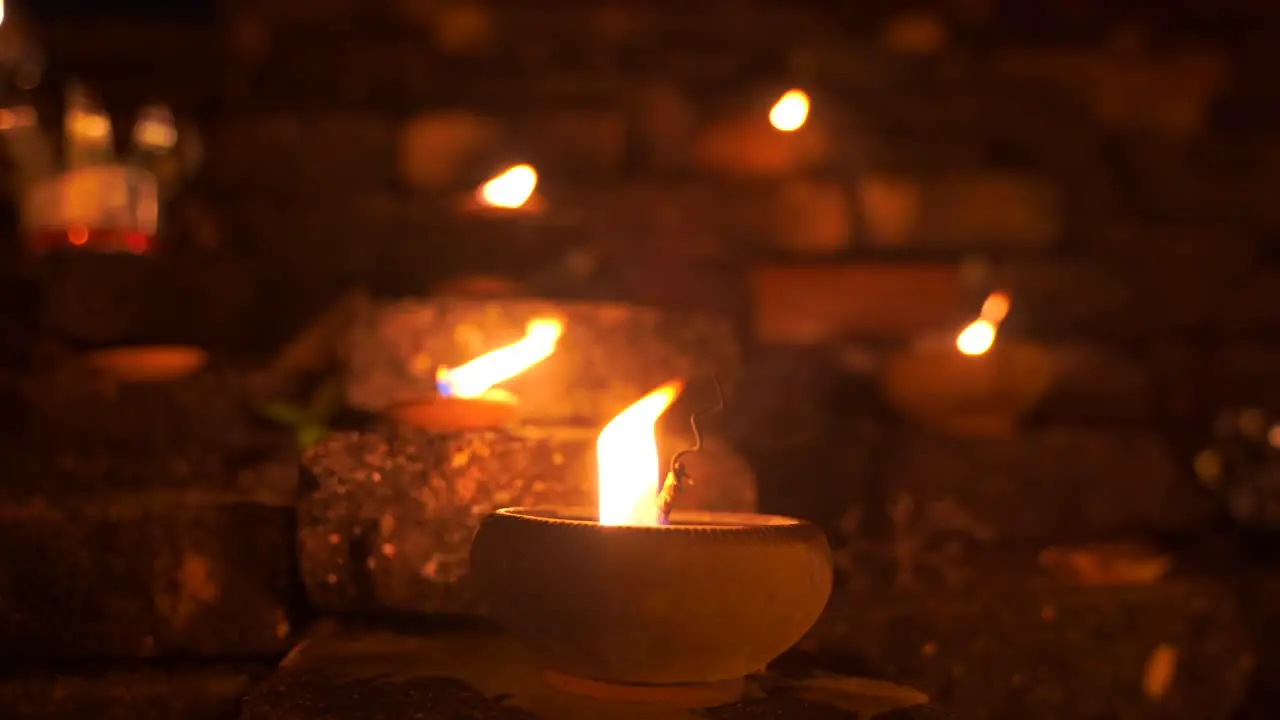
pixel 678 475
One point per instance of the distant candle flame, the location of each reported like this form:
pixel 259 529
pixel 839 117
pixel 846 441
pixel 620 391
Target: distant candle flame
pixel 627 457
pixel 476 378
pixel 510 189
pixel 790 112
pixel 978 337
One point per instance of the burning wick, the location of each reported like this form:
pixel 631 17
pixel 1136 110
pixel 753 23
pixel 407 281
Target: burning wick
pixel 510 189
pixel 475 379
pixel 677 476
pixel 980 335
pixel 627 458
pixel 790 112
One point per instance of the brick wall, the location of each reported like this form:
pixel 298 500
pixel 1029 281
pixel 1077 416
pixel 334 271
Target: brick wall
pixel 1111 167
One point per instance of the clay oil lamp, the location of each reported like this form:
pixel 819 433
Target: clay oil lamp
pixel 633 602
pixel 147 363
pixel 466 398
pixel 973 386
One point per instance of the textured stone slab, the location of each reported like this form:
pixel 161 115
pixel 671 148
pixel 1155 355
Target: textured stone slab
pixel 146 574
pixel 610 355
pixel 341 674
pixel 388 515
pixel 1011 643
pixel 125 692
pixel 1052 483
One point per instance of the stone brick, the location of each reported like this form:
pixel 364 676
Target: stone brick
pixel 990 210
pixel 890 207
pixel 1168 94
pixel 914 33
pixel 436 149
pixel 581 141
pixel 746 145
pixel 812 218
pixel 206 692
pixel 1056 483
pixel 463 28
pixel 822 304
pixel 303 154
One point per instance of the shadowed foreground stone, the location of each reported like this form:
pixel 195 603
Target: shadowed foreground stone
pixel 145 574
pixel 387 518
pixel 1012 643
pixel 361 673
pixel 124 693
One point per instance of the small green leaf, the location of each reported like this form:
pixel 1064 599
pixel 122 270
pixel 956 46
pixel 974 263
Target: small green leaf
pixel 310 433
pixel 284 413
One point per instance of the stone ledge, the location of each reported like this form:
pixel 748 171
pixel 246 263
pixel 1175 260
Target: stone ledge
pixel 352 672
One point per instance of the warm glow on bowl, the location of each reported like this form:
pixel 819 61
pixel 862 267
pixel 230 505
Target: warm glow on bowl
pixel 790 112
pixel 977 338
pixel 627 456
pixel 473 379
pixel 510 189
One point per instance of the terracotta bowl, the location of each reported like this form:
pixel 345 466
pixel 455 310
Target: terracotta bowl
pixel 963 395
pixel 148 363
pixel 708 599
pixel 445 414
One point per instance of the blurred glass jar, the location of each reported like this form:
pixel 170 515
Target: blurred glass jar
pixel 113 208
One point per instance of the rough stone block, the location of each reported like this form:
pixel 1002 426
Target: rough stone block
pixel 437 149
pixel 134 575
pixel 610 355
pixel 1015 644
pixel 302 154
pixel 812 218
pixel 1052 483
pixel 989 210
pixel 212 692
pixel 806 305
pixel 388 518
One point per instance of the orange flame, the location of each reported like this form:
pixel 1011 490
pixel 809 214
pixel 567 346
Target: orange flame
pixel 475 378
pixel 978 337
pixel 627 455
pixel 790 112
pixel 510 189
